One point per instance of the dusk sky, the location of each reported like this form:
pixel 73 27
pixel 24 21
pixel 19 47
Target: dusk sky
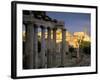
pixel 74 22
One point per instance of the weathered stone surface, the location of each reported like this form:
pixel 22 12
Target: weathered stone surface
pixel 35 20
pixel 35 46
pixel 43 47
pixel 63 47
pixel 28 56
pixel 49 54
pixel 54 47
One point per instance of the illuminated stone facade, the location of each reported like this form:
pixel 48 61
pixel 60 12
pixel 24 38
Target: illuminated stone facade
pixel 71 39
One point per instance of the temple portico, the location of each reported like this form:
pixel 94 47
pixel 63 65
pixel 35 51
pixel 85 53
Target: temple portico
pixel 31 56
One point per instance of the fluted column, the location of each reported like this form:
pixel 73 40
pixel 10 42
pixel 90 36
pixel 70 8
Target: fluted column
pixel 35 46
pixel 54 48
pixel 42 47
pixel 49 57
pixel 67 44
pixel 63 47
pixel 28 56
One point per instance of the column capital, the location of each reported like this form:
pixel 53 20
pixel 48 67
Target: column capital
pixel 27 22
pixel 54 28
pixel 64 29
pixel 43 27
pixel 35 25
pixel 49 28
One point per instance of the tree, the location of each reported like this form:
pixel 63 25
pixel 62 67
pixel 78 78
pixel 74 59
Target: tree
pixel 86 47
pixel 71 50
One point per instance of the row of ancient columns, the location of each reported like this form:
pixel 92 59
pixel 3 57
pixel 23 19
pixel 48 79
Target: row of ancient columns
pixel 31 58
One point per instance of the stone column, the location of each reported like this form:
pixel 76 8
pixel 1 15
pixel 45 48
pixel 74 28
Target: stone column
pixel 67 44
pixel 42 47
pixel 54 48
pixel 28 56
pixel 49 57
pixel 63 47
pixel 35 46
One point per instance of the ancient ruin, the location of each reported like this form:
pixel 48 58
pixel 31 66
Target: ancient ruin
pixel 33 20
pixel 41 47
